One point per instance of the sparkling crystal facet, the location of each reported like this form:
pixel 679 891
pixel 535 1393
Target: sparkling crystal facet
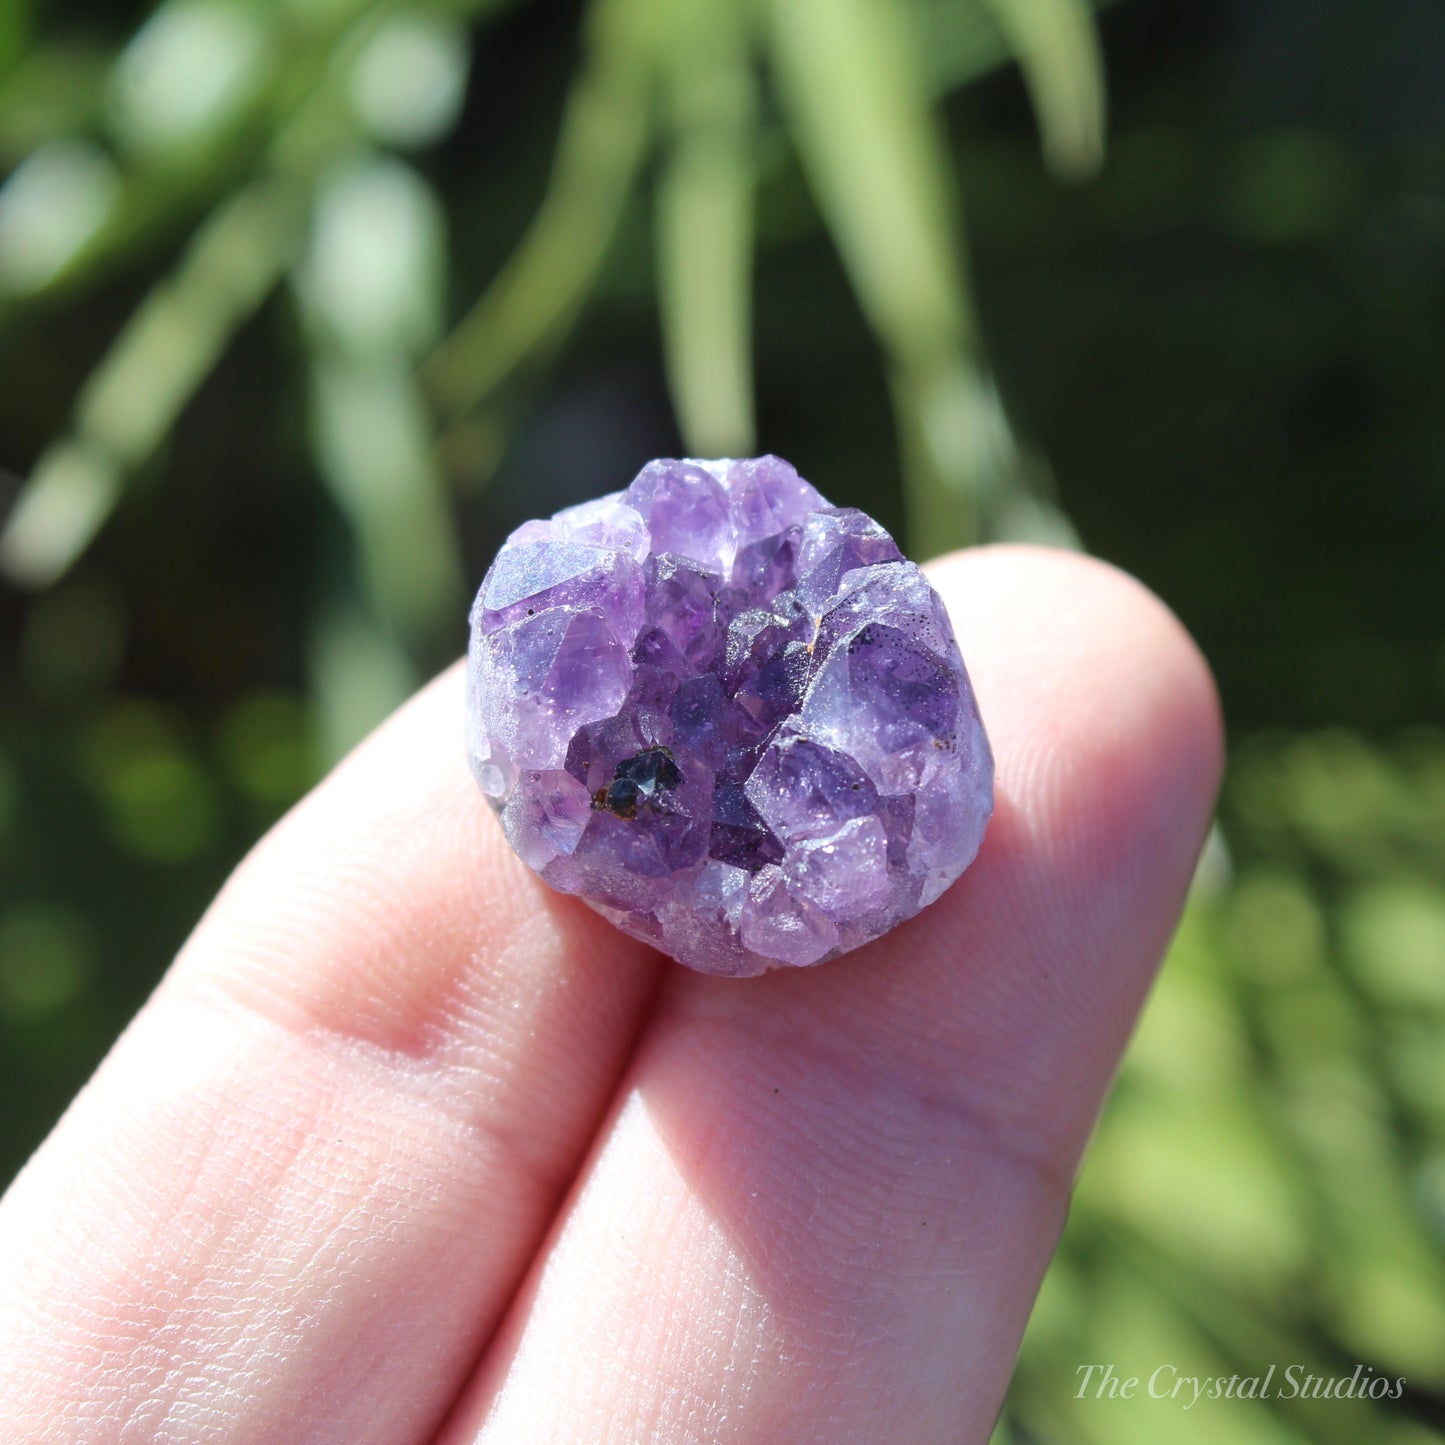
pixel 731 717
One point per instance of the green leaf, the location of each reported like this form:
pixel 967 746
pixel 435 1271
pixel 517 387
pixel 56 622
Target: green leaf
pixel 371 288
pixel 604 135
pixel 409 80
pixel 875 156
pixel 849 74
pixel 373 278
pixel 705 225
pixel 51 208
pixel 957 40
pixel 373 440
pixel 1057 46
pixel 192 70
pixel 133 397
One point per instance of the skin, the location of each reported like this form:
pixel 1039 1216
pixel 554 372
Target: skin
pixel 407 1148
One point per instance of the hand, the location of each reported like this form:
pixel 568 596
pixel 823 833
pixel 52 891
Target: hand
pixel 407 1148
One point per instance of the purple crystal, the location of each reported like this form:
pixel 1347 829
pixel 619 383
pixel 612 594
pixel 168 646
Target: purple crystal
pixel 731 717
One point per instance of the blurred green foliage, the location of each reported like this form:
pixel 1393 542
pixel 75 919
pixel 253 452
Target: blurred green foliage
pixel 273 135
pixel 1268 1182
pixel 305 303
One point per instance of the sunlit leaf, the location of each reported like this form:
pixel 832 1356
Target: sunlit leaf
pixel 1058 48
pixel 371 286
pixel 187 73
pixel 51 207
pixel 372 278
pixel 409 79
pixel 705 225
pixel 875 157
pixel 275 99
pixel 134 396
pixel 372 437
pixel 599 151
pixel 849 74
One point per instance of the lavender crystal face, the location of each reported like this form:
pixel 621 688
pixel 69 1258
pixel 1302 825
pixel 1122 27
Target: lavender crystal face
pixel 728 715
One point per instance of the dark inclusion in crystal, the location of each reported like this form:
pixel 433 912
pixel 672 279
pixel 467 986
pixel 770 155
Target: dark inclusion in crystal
pixel 730 716
pixel 641 780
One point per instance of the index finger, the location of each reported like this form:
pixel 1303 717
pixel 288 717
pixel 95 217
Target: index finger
pixel 295 1198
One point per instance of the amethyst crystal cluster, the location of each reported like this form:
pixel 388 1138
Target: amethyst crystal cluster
pixel 730 716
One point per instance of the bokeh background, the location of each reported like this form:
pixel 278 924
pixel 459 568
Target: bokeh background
pixel 305 303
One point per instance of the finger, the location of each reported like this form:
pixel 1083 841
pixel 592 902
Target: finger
pixel 294 1200
pixel 827 1197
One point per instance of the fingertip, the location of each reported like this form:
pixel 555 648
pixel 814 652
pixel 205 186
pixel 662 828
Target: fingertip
pixel 1047 632
pixel 1108 742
